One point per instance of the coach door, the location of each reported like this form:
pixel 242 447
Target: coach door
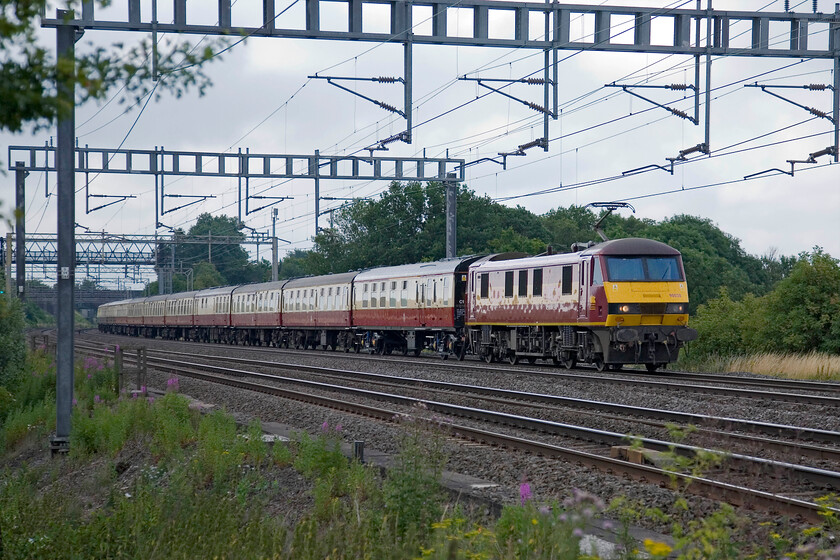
pixel 583 289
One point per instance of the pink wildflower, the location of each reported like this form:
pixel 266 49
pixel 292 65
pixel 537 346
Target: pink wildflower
pixel 338 428
pixel 96 399
pixel 525 493
pixel 325 426
pixel 578 532
pixel 75 402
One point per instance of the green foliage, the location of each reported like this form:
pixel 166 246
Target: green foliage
pixel 803 312
pixel 729 328
pixel 526 531
pixel 174 425
pixel 28 71
pixel 12 341
pixel 710 538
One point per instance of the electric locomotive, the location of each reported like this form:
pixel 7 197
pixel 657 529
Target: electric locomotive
pixel 619 302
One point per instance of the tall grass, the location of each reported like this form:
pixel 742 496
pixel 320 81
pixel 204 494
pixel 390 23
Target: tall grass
pixel 814 365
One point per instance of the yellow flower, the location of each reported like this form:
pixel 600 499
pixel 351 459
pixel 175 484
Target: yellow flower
pixel 811 531
pixel 776 535
pixel 657 548
pixel 534 522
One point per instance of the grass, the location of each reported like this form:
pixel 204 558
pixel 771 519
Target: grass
pixel 153 478
pixel 818 366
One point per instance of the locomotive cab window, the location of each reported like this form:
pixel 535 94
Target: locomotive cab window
pixel 643 269
pixel 523 283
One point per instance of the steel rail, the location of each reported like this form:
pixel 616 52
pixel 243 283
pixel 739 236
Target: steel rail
pixel 781 430
pixel 813 475
pixel 733 494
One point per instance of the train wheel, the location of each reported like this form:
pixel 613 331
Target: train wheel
pixel 488 357
pixel 417 352
pixel 513 359
pixel 652 367
pixel 532 360
pixel 599 363
pixel 461 351
pixel 569 362
pixel 404 349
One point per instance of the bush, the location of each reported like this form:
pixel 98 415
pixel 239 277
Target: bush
pixel 12 341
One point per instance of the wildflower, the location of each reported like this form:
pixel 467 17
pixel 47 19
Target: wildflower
pixel 338 428
pixel 96 399
pixel 534 521
pixel 172 384
pixel 545 510
pixel 117 347
pixel 90 376
pixel 133 395
pixel 524 492
pixel 151 400
pixel 578 532
pixel 127 495
pixel 656 548
pixel 325 426
pixel 75 402
pixel 143 389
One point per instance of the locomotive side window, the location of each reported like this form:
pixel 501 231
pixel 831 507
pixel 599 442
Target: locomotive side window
pixel 566 288
pixel 509 284
pixel 485 285
pixel 523 283
pixel 536 289
pixel 597 275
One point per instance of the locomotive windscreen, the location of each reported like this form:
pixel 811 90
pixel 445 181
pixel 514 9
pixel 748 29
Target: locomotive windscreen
pixel 643 269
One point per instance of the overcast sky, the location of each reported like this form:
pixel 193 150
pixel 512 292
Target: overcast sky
pixel 262 100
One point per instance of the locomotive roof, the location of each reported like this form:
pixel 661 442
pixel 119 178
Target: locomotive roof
pixel 445 266
pixel 631 246
pixel 325 280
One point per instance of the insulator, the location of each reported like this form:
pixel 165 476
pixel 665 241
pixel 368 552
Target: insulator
pixel 535 81
pixel 531 144
pixel 386 79
pixel 679 113
pixel 817 112
pixel 388 107
pixel 679 87
pixel 817 87
pixel 536 107
pixel 815 6
pixel 787 5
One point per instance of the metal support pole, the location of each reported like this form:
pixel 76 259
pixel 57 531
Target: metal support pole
pixel 836 96
pixel 20 228
pixel 546 66
pixel 317 172
pixel 407 64
pixel 9 264
pixel 274 270
pixel 66 40
pixel 451 216
pixel 708 76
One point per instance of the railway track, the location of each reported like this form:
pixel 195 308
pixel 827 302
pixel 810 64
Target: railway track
pixel 807 479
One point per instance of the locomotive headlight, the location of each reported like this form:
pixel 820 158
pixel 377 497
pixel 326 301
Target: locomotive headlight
pixel 676 308
pixel 624 308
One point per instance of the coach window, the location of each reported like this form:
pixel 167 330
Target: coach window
pixel 566 288
pixel 523 283
pixel 446 291
pixel 404 294
pixel 536 289
pixel 373 300
pixel 509 284
pixel 382 294
pixel 365 296
pixel 485 285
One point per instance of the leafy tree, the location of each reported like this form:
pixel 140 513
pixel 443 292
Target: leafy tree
pixel 28 71
pixel 803 312
pixel 230 260
pixel 205 275
pixel 728 328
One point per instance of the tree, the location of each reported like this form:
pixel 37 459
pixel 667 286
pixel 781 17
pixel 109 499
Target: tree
pixel 29 72
pixel 228 258
pixel 206 276
pixel 803 312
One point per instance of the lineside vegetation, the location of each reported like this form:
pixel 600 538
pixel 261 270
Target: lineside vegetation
pixel 153 478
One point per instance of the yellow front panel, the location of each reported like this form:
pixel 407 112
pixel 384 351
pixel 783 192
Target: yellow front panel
pixel 646 292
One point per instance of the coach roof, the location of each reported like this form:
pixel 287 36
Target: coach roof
pixel 444 266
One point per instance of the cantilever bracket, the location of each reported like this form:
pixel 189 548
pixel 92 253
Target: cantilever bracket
pixel 520 150
pixel 528 81
pixel 276 199
pixel 638 170
pixel 812 158
pixel 119 198
pixel 702 148
pixel 751 175
pixel 676 87
pixel 200 198
pixel 382 80
pixel 810 87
